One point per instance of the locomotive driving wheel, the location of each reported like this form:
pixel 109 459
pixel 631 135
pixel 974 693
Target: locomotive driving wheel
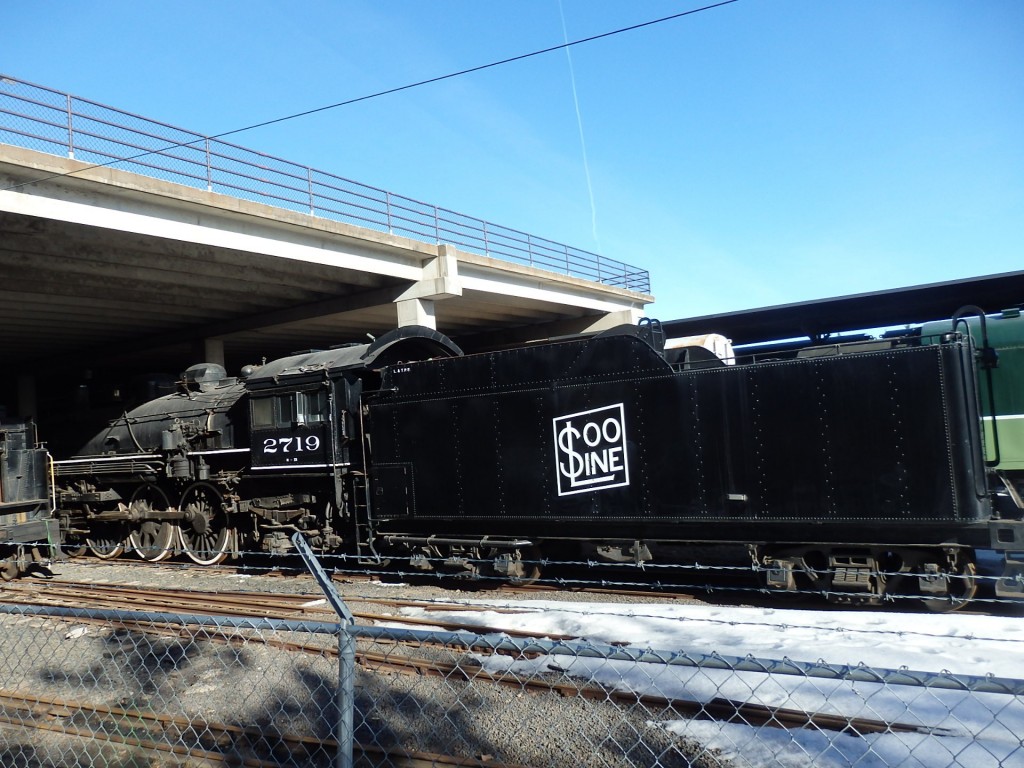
pixel 107 540
pixel 73 544
pixel 205 535
pixel 152 540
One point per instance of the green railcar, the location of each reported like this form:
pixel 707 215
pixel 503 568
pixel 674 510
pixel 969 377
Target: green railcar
pixel 1000 385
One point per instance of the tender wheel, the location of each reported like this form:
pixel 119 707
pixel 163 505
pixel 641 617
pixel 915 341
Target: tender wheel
pixel 531 566
pixel 963 586
pixel 518 566
pixel 152 540
pixel 205 535
pixel 107 540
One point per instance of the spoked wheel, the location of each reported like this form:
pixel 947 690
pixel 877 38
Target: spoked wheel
pixel 152 540
pixel 963 586
pixel 205 535
pixel 73 544
pixel 107 540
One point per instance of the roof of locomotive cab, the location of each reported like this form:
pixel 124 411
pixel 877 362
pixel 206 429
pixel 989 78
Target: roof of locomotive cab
pixel 417 342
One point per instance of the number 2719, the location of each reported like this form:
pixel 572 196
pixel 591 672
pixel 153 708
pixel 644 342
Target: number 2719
pixel 291 444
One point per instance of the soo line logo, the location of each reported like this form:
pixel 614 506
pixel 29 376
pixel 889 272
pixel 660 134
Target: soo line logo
pixel 590 450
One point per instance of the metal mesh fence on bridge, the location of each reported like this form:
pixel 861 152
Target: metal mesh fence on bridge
pixel 42 119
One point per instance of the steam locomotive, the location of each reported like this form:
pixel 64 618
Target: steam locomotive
pixel 859 469
pixel 28 532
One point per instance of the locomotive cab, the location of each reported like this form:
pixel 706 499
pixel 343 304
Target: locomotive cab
pixel 304 420
pixel 293 428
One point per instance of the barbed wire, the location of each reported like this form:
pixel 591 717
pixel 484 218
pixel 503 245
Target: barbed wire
pixel 401 567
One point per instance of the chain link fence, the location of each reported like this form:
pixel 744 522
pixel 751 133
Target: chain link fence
pixel 88 687
pixel 39 118
pixel 112 688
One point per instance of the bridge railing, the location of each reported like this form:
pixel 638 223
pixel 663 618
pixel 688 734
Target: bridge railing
pixel 39 118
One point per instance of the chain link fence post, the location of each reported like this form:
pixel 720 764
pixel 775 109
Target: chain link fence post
pixel 345 700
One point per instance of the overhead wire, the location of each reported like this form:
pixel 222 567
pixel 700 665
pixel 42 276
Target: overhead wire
pixel 386 92
pixel 579 124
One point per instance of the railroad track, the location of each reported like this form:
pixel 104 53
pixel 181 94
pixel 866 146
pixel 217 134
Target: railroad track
pixel 196 738
pixel 275 605
pixel 297 570
pixel 249 604
pixel 708 593
pixel 88 594
pixel 717 709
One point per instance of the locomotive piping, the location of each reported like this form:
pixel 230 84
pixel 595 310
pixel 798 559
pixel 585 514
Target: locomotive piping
pixel 131 432
pixel 988 362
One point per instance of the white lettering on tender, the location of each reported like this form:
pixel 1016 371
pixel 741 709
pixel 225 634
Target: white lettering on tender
pixel 590 450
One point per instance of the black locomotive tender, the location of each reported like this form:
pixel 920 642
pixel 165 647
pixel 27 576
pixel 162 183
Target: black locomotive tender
pixel 857 470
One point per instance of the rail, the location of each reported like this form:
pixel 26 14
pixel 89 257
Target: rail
pixel 40 118
pixel 107 686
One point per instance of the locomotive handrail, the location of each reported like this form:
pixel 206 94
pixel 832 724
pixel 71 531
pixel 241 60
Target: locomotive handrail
pixel 108 465
pixel 988 359
pixel 42 119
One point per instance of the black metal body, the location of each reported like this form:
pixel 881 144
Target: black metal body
pixel 857 466
pixel 602 438
pixel 25 503
pixel 197 418
pixel 234 464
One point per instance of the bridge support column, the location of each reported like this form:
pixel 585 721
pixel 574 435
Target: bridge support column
pixel 416 312
pixel 208 351
pixel 214 349
pixel 440 281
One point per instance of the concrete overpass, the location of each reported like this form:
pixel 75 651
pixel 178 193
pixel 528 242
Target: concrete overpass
pixel 110 265
pixel 217 254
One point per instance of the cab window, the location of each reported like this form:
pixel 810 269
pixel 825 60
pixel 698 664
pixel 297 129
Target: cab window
pixel 289 409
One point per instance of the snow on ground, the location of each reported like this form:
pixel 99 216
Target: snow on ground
pixel 967 729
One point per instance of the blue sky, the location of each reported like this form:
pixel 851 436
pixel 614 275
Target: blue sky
pixel 760 153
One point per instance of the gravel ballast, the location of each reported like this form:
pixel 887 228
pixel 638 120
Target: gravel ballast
pixel 260 691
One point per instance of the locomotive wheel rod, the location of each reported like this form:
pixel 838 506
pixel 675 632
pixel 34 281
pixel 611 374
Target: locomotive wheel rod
pixel 118 515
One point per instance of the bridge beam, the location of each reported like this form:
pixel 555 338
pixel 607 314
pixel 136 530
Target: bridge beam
pixel 107 267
